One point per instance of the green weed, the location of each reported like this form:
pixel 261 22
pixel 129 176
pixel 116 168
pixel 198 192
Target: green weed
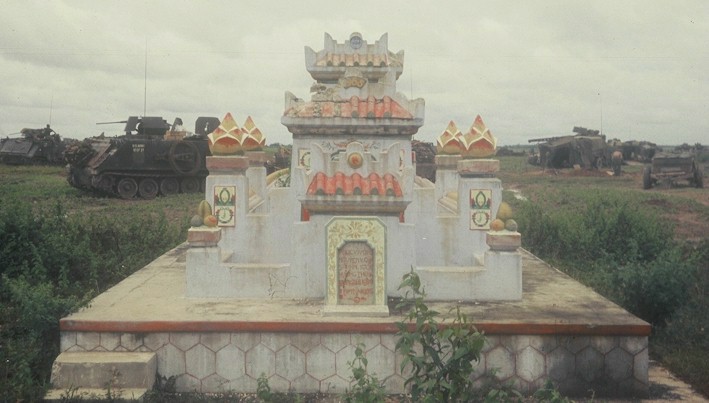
pixel 440 357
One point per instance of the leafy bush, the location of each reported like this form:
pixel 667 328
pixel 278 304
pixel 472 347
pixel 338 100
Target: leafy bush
pixel 621 251
pixel 54 261
pixel 440 357
pixel 367 387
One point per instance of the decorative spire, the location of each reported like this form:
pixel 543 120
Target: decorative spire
pixel 478 142
pixel 449 141
pixel 227 138
pixel 252 139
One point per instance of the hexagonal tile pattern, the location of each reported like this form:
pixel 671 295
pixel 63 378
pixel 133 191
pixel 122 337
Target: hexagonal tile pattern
pixel 66 340
pixel 334 384
pixel 306 384
pixel 589 364
pixel 171 361
pixel 500 359
pixel 519 384
pixel 619 364
pixel 290 363
pixel 131 341
pixel 318 362
pixel 200 361
pixel 245 341
pixel 389 341
pixel 278 384
pixel 87 340
pixel 184 341
pixel 641 362
pixel 336 341
pixel 543 344
pixel 188 383
pixel 491 341
pixel 633 344
pixel 214 341
pixel 219 362
pixel 560 363
pixel 153 341
pixel 516 343
pixel 110 341
pixel 260 360
pixel 230 362
pixel 305 341
pixel 275 341
pixel 573 343
pixel 382 362
pixel 369 340
pixel 343 358
pixel 394 384
pixel 604 344
pixel 215 383
pixel 530 364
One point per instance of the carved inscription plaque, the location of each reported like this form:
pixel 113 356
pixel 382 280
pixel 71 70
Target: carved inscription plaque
pixel 355 272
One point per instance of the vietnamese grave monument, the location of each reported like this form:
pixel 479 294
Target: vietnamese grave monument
pixel 291 279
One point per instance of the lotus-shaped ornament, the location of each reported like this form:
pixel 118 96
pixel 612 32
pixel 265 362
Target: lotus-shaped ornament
pixel 227 138
pixel 252 139
pixel 478 142
pixel 449 141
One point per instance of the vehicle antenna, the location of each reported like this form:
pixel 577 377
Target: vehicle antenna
pixel 51 105
pixel 145 84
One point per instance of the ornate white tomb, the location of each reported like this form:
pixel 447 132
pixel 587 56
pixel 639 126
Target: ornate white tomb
pixel 355 218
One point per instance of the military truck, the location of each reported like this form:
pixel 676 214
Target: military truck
pixel 151 158
pixel 673 169
pixel 36 146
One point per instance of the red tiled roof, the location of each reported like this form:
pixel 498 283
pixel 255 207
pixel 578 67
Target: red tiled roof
pixel 355 184
pixel 355 107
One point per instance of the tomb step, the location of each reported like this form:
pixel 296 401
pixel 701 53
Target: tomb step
pixel 104 370
pixel 95 394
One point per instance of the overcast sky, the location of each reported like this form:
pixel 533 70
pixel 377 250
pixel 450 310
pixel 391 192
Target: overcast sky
pixel 633 69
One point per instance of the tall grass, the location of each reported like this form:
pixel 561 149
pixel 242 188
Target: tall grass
pixel 59 248
pixel 621 241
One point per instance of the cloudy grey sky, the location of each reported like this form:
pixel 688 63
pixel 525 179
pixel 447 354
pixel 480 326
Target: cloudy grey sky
pixel 635 69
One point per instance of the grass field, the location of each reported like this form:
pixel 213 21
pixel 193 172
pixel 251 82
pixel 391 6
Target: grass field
pixel 59 247
pixel 654 262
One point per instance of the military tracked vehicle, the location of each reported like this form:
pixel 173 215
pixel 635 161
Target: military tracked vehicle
pixel 425 158
pixel 36 146
pixel 587 149
pixel 151 158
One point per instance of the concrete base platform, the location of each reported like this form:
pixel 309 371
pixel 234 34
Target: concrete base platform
pixel 560 330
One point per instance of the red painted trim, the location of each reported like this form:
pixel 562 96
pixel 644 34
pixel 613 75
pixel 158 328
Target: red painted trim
pixel 69 325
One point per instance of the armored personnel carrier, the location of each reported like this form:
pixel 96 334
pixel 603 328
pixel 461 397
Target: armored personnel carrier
pixel 36 146
pixel 151 158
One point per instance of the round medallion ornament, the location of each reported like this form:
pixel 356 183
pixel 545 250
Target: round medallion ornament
pixel 355 40
pixel 355 160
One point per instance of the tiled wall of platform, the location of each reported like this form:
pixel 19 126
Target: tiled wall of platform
pixel 318 362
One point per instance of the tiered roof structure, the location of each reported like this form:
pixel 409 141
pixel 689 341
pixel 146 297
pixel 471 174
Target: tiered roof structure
pixel 355 84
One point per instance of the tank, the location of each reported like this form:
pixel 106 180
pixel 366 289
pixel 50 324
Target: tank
pixel 587 149
pixel 152 158
pixel 425 159
pixel 36 146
